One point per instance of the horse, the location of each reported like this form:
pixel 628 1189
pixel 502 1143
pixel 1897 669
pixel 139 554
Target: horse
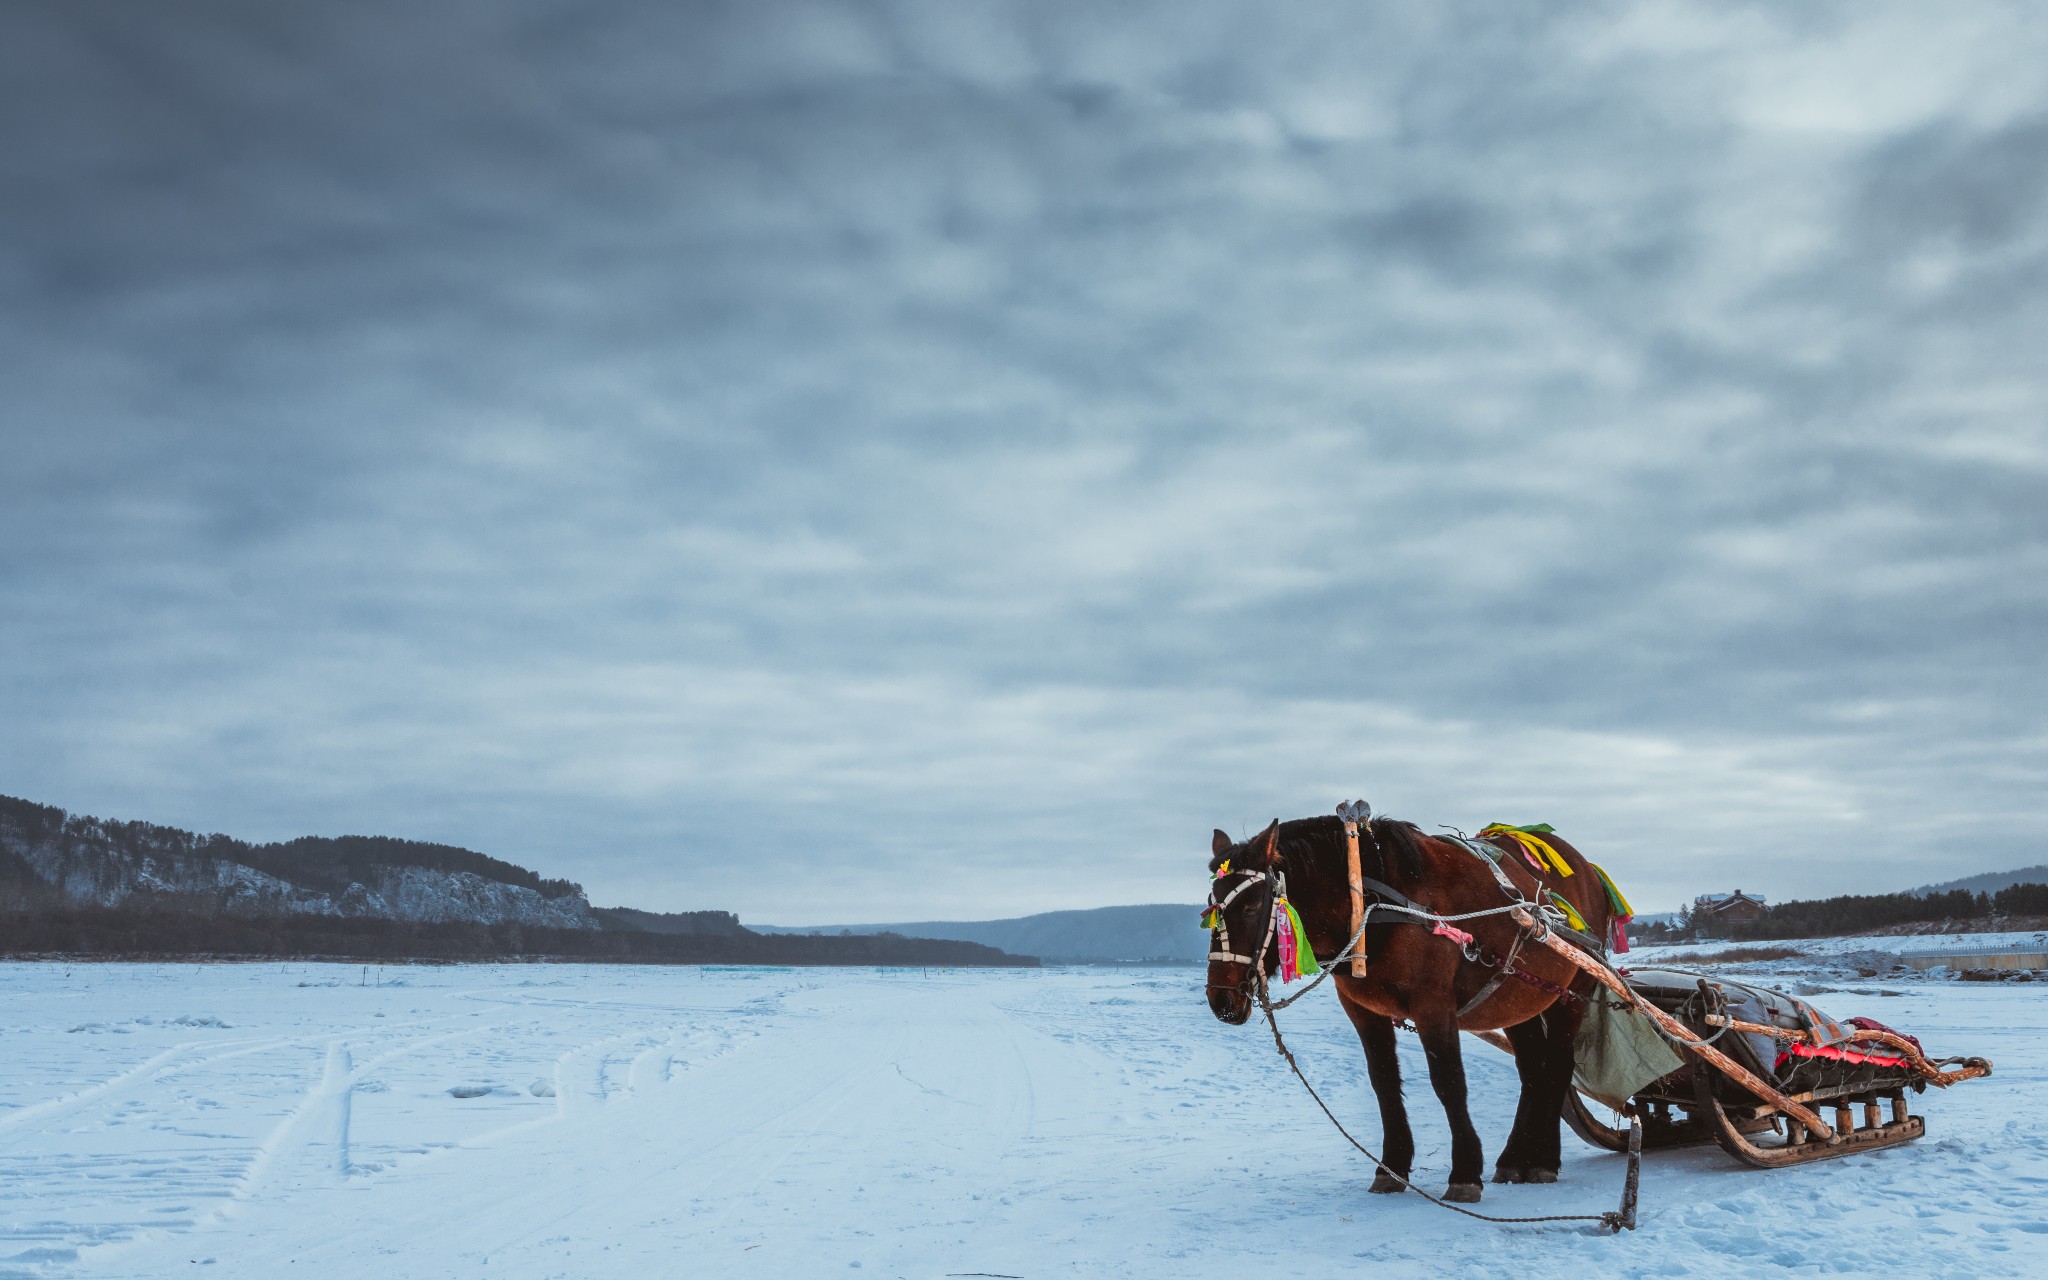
pixel 1417 973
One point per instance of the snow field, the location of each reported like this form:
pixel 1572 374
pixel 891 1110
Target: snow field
pixel 269 1119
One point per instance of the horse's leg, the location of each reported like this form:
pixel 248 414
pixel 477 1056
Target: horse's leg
pixel 1544 1056
pixel 1561 1028
pixel 1532 1055
pixel 1383 1066
pixel 1447 1076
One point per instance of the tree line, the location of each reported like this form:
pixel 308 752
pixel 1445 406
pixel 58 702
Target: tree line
pixel 168 930
pixel 1861 913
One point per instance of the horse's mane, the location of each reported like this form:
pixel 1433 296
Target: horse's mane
pixel 1399 838
pixel 1393 844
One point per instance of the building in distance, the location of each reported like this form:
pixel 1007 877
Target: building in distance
pixel 1717 914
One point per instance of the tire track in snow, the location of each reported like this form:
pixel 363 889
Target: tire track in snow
pixel 310 1141
pixel 72 1102
pixel 321 1120
pixel 14 1125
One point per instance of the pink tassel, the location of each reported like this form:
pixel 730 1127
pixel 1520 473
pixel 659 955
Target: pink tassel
pixel 1284 928
pixel 1453 932
pixel 1621 935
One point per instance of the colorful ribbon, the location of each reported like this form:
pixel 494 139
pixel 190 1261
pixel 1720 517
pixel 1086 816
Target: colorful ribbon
pixel 1297 957
pixel 1534 847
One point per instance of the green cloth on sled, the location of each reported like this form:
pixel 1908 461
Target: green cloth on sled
pixel 1619 1050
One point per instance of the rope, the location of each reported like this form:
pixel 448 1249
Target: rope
pixel 1351 947
pixel 1614 1221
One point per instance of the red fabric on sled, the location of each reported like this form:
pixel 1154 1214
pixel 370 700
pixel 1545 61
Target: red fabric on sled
pixel 1796 1049
pixel 1872 1024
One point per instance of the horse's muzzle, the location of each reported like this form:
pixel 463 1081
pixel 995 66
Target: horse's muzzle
pixel 1231 1002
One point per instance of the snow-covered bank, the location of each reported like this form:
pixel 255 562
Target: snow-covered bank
pixel 532 1121
pixel 1894 959
pixel 2027 940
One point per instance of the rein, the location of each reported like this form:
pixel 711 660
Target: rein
pixel 1622 1219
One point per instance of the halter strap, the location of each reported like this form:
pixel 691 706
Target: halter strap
pixel 1222 949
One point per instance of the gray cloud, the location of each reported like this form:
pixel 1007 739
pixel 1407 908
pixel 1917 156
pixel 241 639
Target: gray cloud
pixel 771 456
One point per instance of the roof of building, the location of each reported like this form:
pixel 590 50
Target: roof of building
pixel 1716 901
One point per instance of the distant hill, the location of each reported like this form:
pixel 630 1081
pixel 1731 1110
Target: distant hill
pixel 77 885
pixel 1103 935
pixel 50 859
pixel 1989 882
pixel 153 933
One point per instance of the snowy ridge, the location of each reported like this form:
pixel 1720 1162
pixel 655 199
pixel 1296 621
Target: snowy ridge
pixel 88 863
pixel 106 878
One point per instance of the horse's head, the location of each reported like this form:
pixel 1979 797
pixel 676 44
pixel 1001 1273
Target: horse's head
pixel 1242 889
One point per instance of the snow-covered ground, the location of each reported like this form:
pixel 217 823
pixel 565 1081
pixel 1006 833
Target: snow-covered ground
pixel 267 1120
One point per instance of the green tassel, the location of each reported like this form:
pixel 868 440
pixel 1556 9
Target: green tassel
pixel 1304 955
pixel 1614 898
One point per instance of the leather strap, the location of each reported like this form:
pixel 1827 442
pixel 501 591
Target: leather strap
pixel 1389 894
pixel 1479 997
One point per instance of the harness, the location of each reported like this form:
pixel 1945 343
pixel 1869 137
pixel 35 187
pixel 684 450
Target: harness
pixel 1535 920
pixel 1385 897
pixel 1220 948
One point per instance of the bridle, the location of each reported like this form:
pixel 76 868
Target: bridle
pixel 1220 948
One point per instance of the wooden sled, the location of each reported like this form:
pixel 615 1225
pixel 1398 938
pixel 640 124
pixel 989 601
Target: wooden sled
pixel 1694 1106
pixel 1763 1116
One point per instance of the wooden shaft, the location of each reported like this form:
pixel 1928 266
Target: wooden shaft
pixel 1612 981
pixel 1496 1039
pixel 1357 896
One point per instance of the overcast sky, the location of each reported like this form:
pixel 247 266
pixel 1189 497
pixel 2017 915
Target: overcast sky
pixel 881 461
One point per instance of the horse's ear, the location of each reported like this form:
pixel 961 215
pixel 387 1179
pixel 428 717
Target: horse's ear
pixel 1219 843
pixel 1266 846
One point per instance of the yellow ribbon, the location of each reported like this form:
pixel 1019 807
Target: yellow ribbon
pixel 1534 844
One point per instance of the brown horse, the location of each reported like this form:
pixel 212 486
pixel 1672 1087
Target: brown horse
pixel 1440 984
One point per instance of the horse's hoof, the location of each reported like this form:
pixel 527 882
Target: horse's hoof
pixel 1386 1184
pixel 1507 1175
pixel 1539 1175
pixel 1463 1192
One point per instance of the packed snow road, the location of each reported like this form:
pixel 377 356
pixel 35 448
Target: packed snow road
pixel 530 1121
